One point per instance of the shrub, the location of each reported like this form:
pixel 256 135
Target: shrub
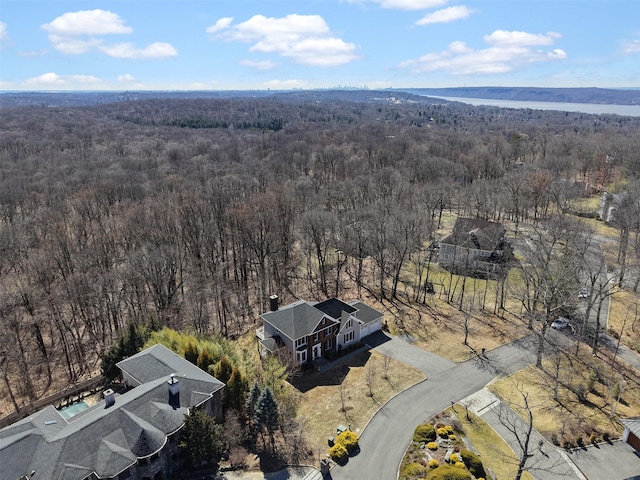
pixel 424 433
pixel 605 436
pixel 452 437
pixel 579 441
pixel 473 463
pixel 414 469
pixel 432 446
pixel 348 440
pixel 448 472
pixel 554 439
pixel 442 432
pixel 449 429
pixel 460 465
pixel 338 453
pixel 454 458
pixel 593 438
pixel 433 463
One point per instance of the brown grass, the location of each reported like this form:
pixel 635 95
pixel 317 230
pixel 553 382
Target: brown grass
pixel 493 450
pixel 321 407
pixel 569 417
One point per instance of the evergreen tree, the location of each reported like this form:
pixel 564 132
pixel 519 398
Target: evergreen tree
pixel 252 399
pixel 223 370
pixel 236 390
pixel 204 360
pixel 191 352
pixel 202 438
pixel 266 415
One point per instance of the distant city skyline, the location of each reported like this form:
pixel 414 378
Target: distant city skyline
pixel 306 44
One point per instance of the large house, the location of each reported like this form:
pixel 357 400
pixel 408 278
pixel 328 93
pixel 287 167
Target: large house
pixel 303 331
pixel 475 246
pixel 132 435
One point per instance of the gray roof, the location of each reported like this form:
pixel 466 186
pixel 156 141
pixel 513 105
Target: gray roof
pixel 102 440
pixel 633 424
pixel 295 320
pixel 299 319
pixel 334 307
pixel 474 233
pixel 365 314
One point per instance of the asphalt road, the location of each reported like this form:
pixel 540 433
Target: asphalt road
pixel 388 434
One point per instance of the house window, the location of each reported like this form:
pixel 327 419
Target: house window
pixel 316 336
pixel 328 345
pixel 300 342
pixel 349 323
pixel 301 356
pixel 348 337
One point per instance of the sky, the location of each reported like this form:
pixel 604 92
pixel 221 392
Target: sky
pixel 308 44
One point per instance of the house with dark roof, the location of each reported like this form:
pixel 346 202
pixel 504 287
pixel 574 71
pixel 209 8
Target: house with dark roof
pixel 129 435
pixel 475 246
pixel 303 331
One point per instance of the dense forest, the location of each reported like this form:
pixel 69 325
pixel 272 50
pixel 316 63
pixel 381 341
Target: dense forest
pixel 191 212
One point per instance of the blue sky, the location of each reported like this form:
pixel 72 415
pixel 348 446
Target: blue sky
pixel 281 44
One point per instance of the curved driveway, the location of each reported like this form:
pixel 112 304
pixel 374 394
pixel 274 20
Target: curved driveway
pixel 387 436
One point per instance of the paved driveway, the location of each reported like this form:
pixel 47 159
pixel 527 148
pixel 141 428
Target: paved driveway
pixel 610 461
pixel 401 349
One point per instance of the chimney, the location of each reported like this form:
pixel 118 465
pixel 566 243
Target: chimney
pixel 273 303
pixel 174 388
pixel 109 397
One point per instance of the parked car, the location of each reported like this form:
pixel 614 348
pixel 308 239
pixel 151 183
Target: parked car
pixel 560 323
pixel 583 293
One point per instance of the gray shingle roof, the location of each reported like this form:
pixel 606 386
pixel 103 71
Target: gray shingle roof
pixel 107 440
pixel 295 320
pixel 365 314
pixel 334 307
pixel 633 424
pixel 475 233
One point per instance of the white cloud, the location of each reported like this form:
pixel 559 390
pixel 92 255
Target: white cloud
pixel 286 84
pixel 87 22
pixel 54 80
pixel 75 33
pixel 446 15
pixel 515 38
pixel 263 65
pixel 631 47
pixel 73 46
pixel 4 32
pixel 156 50
pixel 220 25
pixel 126 78
pixel 307 39
pixel 508 51
pixel 405 4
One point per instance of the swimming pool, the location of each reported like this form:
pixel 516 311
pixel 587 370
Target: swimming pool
pixel 73 409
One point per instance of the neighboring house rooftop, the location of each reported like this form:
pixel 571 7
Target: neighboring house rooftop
pixel 475 233
pixel 106 440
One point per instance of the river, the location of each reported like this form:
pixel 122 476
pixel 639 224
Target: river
pixel 595 108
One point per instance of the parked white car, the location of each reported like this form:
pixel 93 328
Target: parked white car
pixel 560 323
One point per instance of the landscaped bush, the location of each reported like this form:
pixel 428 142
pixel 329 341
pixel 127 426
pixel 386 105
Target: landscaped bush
pixel 605 436
pixel 432 446
pixel 442 432
pixel 414 469
pixel 452 437
pixel 593 438
pixel 433 463
pixel 453 458
pixel 448 472
pixel 449 429
pixel 473 463
pixel 338 453
pixel 348 440
pixel 579 441
pixel 424 433
pixel 460 465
